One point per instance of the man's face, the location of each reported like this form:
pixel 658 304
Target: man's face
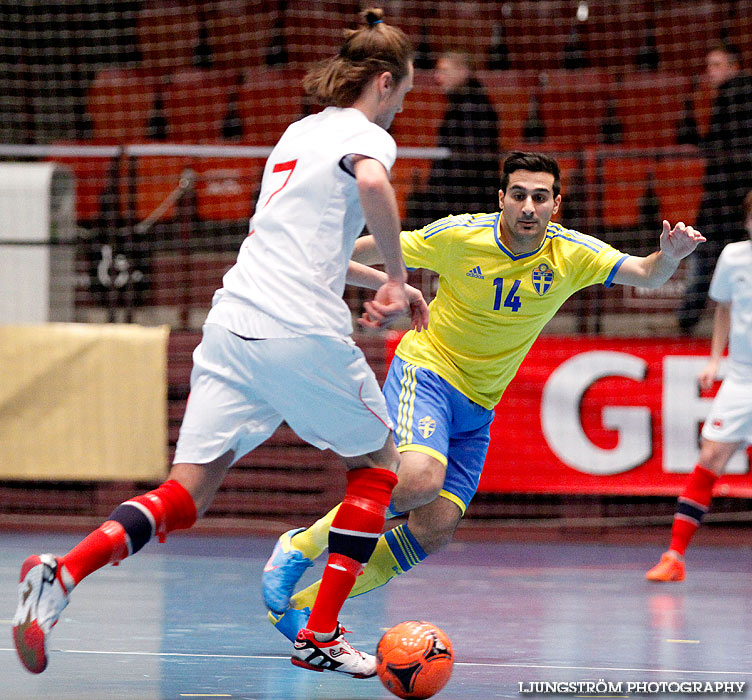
pixel 720 67
pixel 392 103
pixel 450 74
pixel 527 206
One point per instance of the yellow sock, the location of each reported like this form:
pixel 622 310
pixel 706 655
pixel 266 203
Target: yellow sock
pixel 381 568
pixel 315 539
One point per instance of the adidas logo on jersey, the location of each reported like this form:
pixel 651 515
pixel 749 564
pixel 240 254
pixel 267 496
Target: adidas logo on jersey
pixel 475 272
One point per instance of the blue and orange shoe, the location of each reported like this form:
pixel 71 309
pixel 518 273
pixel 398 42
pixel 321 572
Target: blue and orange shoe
pixel 291 621
pixel 282 572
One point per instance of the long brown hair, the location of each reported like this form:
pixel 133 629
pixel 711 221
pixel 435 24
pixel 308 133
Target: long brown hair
pixel 368 51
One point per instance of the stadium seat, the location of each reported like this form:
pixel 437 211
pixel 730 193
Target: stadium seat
pixel 155 178
pixel 622 185
pixel 195 104
pixel 512 104
pixel 92 175
pixel 226 188
pixel 649 105
pixel 418 123
pixel 678 184
pixel 120 102
pixel 268 100
pixel 570 170
pixel 167 33
pixel 314 31
pixel 408 175
pixel 239 31
pixel 573 106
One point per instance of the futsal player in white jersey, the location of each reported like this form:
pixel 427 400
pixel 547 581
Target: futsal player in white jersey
pixel 276 346
pixel 728 426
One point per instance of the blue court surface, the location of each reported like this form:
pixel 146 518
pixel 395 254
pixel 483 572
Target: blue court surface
pixel 185 620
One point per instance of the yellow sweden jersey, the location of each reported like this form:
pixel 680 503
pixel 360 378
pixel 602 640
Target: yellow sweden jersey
pixel 491 305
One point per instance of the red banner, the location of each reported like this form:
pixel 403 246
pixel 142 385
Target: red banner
pixel 604 416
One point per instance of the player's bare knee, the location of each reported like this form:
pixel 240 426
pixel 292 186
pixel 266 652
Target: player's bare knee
pixel 202 481
pixel 416 487
pixel 715 455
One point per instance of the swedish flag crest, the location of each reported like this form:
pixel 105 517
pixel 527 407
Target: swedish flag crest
pixel 543 277
pixel 426 426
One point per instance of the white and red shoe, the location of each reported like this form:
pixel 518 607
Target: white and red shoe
pixel 333 655
pixel 42 596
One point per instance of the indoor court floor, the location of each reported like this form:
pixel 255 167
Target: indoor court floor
pixel 186 620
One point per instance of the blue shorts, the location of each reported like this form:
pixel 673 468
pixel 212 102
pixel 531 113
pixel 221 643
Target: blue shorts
pixel 431 416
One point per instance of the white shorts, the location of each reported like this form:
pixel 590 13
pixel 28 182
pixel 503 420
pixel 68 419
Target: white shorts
pixel 241 390
pixel 730 417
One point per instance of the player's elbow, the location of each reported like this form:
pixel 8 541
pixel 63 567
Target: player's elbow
pixel 372 184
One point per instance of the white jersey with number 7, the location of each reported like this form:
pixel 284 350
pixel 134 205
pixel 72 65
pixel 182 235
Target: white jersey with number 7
pixel 289 276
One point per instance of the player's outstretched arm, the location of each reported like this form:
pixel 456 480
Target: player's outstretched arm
pixel 655 269
pixel 363 276
pixel 367 252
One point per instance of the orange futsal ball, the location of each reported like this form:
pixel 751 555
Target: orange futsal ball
pixel 414 659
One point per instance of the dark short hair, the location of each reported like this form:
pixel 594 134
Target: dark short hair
pixel 535 163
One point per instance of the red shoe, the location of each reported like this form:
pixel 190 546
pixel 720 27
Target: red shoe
pixel 669 568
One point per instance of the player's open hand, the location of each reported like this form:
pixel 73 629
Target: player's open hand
pixel 680 241
pixel 390 302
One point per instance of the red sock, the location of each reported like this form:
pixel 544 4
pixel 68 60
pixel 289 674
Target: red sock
pixel 130 526
pixel 352 539
pixel 694 502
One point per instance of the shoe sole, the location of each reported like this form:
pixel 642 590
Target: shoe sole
pixel 309 667
pixel 28 637
pixel 673 579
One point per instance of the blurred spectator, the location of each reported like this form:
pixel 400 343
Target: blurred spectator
pixel 727 149
pixel 468 180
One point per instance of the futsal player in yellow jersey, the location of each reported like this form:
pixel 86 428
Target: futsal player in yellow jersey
pixel 502 276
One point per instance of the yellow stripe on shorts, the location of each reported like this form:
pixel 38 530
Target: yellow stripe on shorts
pixel 406 403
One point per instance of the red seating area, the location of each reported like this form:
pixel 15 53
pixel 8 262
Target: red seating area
pixel 536 33
pixel 194 104
pixel 649 105
pixel 623 184
pixel 236 36
pixel 120 102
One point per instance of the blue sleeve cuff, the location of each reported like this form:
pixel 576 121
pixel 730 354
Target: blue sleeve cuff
pixel 610 279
